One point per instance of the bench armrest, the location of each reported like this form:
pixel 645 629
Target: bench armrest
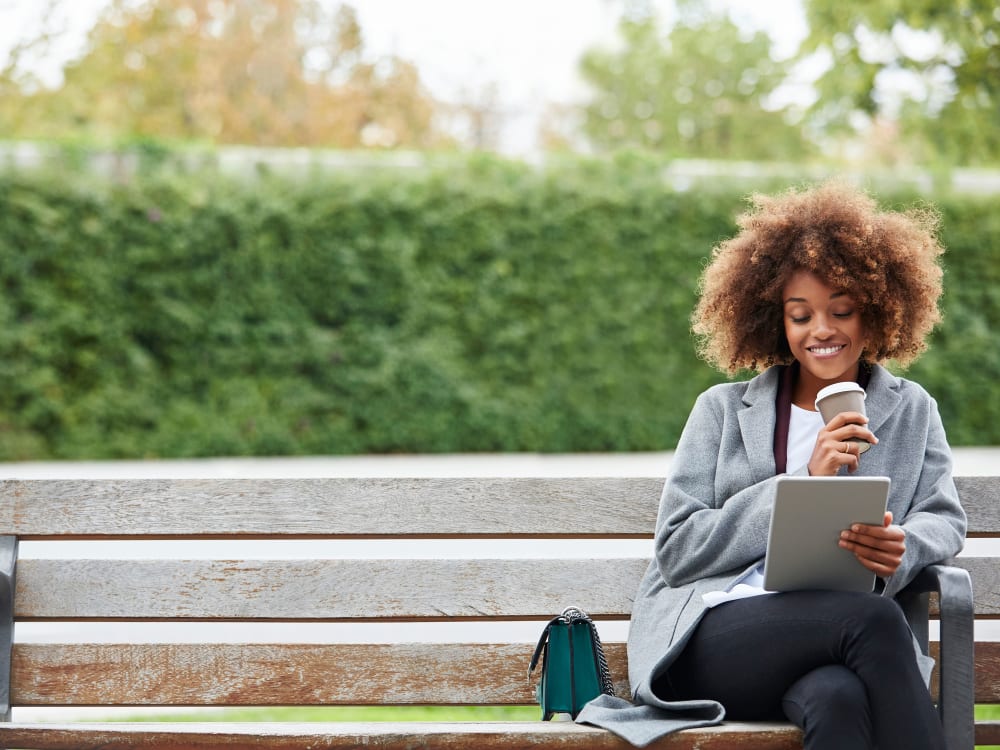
pixel 8 563
pixel 956 670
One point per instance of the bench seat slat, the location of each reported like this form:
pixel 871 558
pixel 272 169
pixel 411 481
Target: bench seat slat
pixel 302 507
pixel 395 736
pixel 323 589
pixel 278 674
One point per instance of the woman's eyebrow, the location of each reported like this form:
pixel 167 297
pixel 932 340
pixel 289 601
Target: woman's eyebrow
pixel 835 295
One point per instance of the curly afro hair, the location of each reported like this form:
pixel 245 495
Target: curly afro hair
pixel 887 261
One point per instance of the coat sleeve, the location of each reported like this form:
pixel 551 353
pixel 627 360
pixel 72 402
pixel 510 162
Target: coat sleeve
pixel 702 530
pixel 934 522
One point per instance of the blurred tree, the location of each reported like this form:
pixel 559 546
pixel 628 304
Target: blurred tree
pixel 703 90
pixel 920 76
pixel 263 72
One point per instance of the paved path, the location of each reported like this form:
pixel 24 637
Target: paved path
pixel 968 461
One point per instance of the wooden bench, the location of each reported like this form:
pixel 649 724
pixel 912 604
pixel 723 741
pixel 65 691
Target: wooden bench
pixel 516 592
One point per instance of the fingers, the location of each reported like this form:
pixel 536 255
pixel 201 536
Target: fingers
pixel 835 447
pixel 832 452
pixel 878 548
pixel 851 424
pixel 883 569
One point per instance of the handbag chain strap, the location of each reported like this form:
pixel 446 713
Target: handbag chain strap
pixel 573 614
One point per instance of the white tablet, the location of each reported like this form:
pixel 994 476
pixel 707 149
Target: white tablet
pixel 808 515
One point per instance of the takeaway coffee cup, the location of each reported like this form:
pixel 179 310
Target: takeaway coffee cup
pixel 847 396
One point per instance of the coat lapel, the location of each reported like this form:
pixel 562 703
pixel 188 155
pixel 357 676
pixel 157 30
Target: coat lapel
pixel 882 397
pixel 757 420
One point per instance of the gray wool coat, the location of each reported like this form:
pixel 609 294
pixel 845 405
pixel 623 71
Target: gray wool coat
pixel 714 515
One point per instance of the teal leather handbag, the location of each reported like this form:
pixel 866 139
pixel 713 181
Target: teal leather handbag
pixel 574 670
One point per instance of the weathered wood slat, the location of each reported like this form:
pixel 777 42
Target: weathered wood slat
pixel 323 674
pixel 987 671
pixel 323 507
pixel 623 506
pixel 403 736
pixel 987 665
pixel 279 674
pixel 981 500
pixel 988 733
pixel 354 589
pixel 323 589
pixel 985 573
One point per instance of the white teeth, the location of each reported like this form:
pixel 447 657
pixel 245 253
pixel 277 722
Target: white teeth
pixel 825 349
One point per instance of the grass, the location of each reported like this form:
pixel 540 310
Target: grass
pixel 990 712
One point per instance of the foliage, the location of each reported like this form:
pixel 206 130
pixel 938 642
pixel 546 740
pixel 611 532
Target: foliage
pixel 280 72
pixel 486 307
pixel 700 91
pixel 963 365
pixel 944 59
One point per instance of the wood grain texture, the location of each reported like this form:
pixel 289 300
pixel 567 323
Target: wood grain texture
pixel 329 507
pixel 986 671
pixel 310 674
pixel 981 499
pixel 323 589
pixel 364 507
pixel 355 589
pixel 987 666
pixel 985 574
pixel 988 733
pixel 279 674
pixel 407 736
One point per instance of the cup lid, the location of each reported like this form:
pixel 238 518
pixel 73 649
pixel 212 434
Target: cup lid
pixel 843 387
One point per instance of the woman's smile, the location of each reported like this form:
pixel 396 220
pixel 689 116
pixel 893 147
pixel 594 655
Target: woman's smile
pixel 826 351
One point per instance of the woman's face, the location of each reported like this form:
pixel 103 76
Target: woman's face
pixel 823 328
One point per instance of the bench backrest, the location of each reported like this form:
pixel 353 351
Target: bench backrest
pixel 389 585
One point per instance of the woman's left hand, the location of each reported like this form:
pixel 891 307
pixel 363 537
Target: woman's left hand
pixel 878 548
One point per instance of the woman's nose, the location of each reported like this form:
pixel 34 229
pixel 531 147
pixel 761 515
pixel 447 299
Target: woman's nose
pixel 822 326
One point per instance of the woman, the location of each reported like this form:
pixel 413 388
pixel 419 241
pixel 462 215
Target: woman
pixel 818 287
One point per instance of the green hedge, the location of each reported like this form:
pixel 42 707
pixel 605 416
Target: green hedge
pixel 485 307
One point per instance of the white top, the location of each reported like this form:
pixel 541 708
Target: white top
pixel 803 427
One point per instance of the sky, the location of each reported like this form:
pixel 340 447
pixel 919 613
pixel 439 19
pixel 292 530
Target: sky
pixel 526 50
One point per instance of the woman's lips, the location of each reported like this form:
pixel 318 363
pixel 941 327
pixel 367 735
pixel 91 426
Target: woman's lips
pixel 826 351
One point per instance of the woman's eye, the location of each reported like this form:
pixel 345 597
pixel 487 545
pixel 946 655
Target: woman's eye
pixel 847 314
pixel 799 320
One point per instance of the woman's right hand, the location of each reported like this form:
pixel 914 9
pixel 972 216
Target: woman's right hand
pixel 833 447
